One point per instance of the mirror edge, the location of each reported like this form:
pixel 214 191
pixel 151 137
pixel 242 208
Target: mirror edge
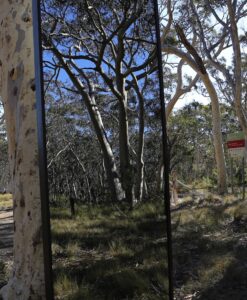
pixel 165 150
pixel 42 154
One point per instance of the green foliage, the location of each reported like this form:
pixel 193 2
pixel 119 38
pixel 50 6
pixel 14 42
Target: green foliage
pixel 190 139
pixel 190 134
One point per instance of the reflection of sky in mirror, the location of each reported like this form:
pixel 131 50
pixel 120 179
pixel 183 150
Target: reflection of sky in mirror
pixel 136 53
pixel 84 56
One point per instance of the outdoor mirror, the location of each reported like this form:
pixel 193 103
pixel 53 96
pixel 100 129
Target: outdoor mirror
pixel 104 148
pixel 6 206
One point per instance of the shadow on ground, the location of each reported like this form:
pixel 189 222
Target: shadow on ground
pixel 210 246
pixel 110 254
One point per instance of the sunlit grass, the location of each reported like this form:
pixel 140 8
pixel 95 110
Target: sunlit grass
pixel 110 253
pixel 6 200
pixel 65 286
pixel 72 249
pixel 118 247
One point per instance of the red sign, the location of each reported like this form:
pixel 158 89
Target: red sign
pixel 236 144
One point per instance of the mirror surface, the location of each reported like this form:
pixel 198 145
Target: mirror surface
pixel 6 206
pixel 103 121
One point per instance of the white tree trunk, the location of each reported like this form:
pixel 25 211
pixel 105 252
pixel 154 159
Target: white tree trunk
pixel 160 175
pixel 140 153
pixel 216 116
pixel 217 135
pixel 18 94
pixel 237 82
pixel 126 167
pixel 110 165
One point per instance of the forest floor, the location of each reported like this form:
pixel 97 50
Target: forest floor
pixel 6 237
pixel 106 254
pixel 109 253
pixel 210 248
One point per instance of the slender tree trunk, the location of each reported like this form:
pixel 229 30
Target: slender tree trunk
pixel 18 94
pixel 116 190
pixel 140 161
pixel 237 82
pixel 85 175
pixel 197 64
pixel 115 185
pixel 145 190
pixel 126 168
pixel 160 176
pixel 217 135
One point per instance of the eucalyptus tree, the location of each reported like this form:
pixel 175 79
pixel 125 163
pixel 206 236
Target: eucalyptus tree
pixel 17 90
pixel 221 25
pixel 111 52
pixel 177 85
pixel 180 40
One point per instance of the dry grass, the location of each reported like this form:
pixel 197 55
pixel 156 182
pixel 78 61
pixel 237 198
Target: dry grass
pixel 210 243
pixel 6 201
pixel 110 253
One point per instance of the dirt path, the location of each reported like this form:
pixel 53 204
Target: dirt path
pixel 6 231
pixel 6 234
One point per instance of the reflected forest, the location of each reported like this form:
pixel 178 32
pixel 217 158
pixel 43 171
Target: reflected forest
pixel 104 139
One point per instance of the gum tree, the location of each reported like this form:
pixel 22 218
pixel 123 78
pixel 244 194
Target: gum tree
pixel 181 40
pixel 17 90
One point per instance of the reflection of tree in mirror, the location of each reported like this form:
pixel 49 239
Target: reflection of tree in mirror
pixel 104 143
pixel 4 169
pixel 5 206
pixel 108 52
